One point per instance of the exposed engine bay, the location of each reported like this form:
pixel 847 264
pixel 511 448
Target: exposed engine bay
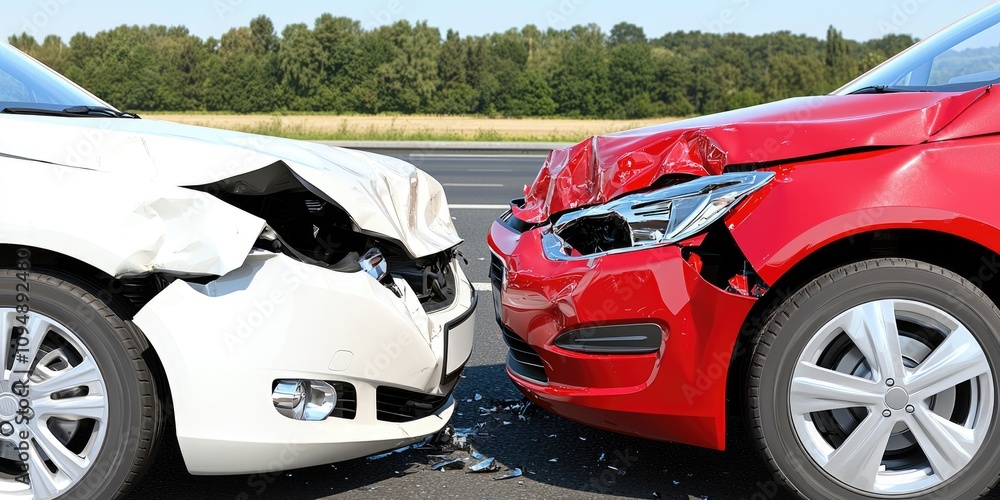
pixel 316 231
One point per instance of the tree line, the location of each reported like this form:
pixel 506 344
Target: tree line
pixel 337 66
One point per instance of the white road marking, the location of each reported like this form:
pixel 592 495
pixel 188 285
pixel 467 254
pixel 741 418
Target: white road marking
pixel 479 207
pixel 482 287
pixel 462 185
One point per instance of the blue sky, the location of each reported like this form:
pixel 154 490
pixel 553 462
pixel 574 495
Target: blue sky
pixel 858 19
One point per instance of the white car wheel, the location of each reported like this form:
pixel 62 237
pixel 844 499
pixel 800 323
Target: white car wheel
pixel 79 413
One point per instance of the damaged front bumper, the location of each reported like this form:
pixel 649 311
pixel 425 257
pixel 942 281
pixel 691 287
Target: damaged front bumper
pixel 225 344
pixel 667 385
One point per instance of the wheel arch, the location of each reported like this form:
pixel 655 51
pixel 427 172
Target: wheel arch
pixel 124 296
pixel 963 256
pixel 969 259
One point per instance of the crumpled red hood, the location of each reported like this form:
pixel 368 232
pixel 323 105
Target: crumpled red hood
pixel 605 167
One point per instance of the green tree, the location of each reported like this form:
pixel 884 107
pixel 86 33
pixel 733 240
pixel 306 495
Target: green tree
pixel 335 65
pixel 840 66
pixel 241 76
pixel 581 81
pixel 626 33
pixel 300 61
pixel 632 70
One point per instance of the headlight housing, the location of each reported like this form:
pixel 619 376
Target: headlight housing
pixel 662 216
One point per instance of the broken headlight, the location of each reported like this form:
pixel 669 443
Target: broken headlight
pixel 666 215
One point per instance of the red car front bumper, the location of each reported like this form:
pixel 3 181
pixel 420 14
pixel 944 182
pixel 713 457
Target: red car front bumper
pixel 677 393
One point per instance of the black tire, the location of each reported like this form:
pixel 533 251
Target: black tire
pixel 792 325
pixel 135 413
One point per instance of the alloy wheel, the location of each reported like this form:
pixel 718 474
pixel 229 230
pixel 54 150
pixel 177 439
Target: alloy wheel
pixel 892 397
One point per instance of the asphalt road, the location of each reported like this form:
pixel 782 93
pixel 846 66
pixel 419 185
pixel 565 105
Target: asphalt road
pixel 561 459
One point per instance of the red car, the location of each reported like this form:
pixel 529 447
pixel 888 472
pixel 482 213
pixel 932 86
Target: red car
pixel 828 263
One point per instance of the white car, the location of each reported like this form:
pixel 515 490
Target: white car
pixel 288 304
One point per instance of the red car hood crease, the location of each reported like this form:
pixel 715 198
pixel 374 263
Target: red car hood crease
pixel 604 167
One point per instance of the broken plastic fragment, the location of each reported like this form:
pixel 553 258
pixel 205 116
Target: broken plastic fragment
pixel 511 474
pixel 412 469
pixel 488 465
pixel 553 460
pixel 388 453
pixel 427 444
pixel 479 397
pixel 446 434
pixel 456 463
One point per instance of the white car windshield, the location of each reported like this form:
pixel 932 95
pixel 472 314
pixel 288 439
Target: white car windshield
pixel 961 57
pixel 27 84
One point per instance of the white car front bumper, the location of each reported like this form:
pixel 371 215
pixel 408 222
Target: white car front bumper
pixel 223 345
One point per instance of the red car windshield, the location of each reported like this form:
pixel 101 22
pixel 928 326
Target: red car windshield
pixel 961 57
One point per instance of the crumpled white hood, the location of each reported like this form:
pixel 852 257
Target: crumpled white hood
pixel 383 195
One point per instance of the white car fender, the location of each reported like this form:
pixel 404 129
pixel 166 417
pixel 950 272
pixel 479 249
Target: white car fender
pixel 119 225
pixel 382 195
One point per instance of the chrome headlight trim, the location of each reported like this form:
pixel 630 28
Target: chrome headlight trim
pixel 663 216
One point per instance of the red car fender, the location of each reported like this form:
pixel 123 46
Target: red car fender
pixel 948 187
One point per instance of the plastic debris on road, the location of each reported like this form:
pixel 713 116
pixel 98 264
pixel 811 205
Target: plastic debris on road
pixel 488 465
pixel 510 474
pixel 455 463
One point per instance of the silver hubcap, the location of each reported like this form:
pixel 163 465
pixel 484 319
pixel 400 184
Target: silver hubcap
pixel 53 407
pixel 892 397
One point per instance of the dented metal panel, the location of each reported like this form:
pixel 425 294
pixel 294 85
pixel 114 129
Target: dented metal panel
pixel 605 167
pixel 139 227
pixel 382 195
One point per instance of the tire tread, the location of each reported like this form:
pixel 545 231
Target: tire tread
pixel 774 323
pixel 135 344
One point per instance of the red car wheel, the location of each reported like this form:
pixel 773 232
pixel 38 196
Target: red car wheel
pixel 878 380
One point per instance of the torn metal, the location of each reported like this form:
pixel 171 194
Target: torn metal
pixel 143 227
pixel 383 196
pixel 602 168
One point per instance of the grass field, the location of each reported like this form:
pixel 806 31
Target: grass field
pixel 409 128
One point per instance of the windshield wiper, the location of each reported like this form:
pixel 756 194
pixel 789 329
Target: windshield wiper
pixel 72 111
pixel 877 89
